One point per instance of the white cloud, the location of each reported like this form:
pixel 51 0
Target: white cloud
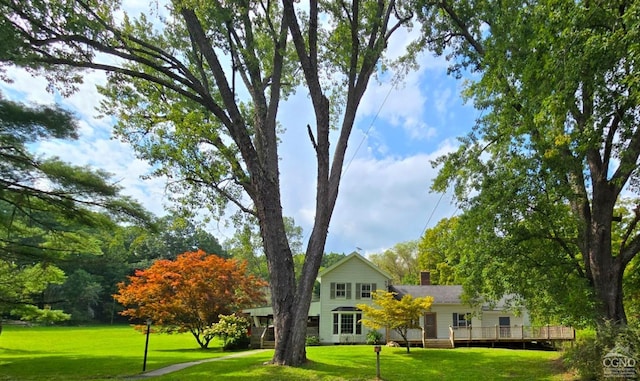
pixel 116 158
pixel 383 202
pixel 26 87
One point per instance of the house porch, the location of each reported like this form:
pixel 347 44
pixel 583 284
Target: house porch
pixel 488 336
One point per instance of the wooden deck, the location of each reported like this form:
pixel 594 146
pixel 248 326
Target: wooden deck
pixel 490 336
pixel 262 337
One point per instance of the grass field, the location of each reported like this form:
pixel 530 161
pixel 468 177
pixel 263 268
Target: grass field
pixel 339 363
pixel 89 353
pixel 101 353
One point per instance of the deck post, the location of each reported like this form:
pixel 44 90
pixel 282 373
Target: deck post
pixel 262 337
pixel 548 332
pixel 497 333
pixel 452 337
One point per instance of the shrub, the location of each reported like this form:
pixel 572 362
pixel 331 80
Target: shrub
pixel 587 355
pixel 374 337
pixel 232 329
pixel 243 342
pixel 312 340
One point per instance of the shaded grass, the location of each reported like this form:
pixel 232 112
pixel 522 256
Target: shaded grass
pixel 359 363
pixel 89 353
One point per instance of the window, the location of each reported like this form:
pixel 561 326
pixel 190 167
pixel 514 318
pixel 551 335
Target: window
pixel 347 323
pixel 340 290
pixel 365 290
pixel 461 319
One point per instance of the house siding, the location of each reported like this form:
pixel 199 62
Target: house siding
pixel 352 273
pixel 492 318
pixel 444 317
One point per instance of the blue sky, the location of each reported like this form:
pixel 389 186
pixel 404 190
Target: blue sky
pixel 384 195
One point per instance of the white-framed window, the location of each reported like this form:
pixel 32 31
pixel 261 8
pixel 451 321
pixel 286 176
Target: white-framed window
pixel 365 290
pixel 340 290
pixel 347 323
pixel 461 320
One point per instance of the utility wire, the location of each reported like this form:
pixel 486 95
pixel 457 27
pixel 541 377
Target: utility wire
pixel 366 134
pixel 433 211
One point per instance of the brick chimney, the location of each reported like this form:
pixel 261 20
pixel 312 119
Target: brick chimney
pixel 425 278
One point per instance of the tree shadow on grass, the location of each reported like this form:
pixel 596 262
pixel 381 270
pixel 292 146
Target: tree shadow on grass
pixel 68 368
pixel 192 350
pixel 394 365
pixel 22 352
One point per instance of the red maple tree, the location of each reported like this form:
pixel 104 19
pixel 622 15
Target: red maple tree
pixel 189 293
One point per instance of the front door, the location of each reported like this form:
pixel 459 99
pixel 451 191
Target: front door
pixel 430 328
pixel 505 326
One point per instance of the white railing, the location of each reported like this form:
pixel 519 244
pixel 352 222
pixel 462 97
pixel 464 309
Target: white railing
pixel 546 332
pixel 412 335
pixel 492 333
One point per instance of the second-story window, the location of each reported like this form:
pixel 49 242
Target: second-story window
pixel 365 290
pixel 340 290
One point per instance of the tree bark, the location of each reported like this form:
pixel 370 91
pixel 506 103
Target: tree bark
pixel 606 271
pixel 291 349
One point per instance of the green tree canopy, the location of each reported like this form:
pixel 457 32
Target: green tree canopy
pixel 42 200
pixel 439 252
pixel 401 262
pixel 556 147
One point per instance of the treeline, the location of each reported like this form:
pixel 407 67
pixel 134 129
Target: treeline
pixel 91 280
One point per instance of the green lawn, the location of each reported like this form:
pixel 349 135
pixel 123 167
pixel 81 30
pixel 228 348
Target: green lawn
pixel 359 363
pixel 100 353
pixel 85 353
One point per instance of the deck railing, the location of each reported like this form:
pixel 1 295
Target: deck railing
pixel 497 333
pixel 492 334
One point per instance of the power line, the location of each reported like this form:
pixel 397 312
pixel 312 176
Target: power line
pixel 366 134
pixel 433 211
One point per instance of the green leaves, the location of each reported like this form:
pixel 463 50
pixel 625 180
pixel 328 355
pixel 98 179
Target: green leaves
pixel 555 148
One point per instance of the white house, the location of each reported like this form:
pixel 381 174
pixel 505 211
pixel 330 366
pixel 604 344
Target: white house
pixel 335 319
pixel 350 281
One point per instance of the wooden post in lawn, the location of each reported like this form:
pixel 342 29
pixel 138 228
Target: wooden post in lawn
pixel 377 349
pixel 146 346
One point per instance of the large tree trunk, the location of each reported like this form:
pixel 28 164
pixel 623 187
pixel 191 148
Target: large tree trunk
pixel 605 270
pixel 280 263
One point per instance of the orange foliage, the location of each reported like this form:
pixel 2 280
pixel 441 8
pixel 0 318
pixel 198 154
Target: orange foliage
pixel 189 293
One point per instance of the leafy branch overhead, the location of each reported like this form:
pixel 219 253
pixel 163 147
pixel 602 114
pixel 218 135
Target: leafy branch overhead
pixel 43 199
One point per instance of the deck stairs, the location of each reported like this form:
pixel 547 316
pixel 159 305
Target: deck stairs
pixel 438 343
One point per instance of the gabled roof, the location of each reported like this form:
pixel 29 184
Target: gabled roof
pixel 350 257
pixel 440 294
